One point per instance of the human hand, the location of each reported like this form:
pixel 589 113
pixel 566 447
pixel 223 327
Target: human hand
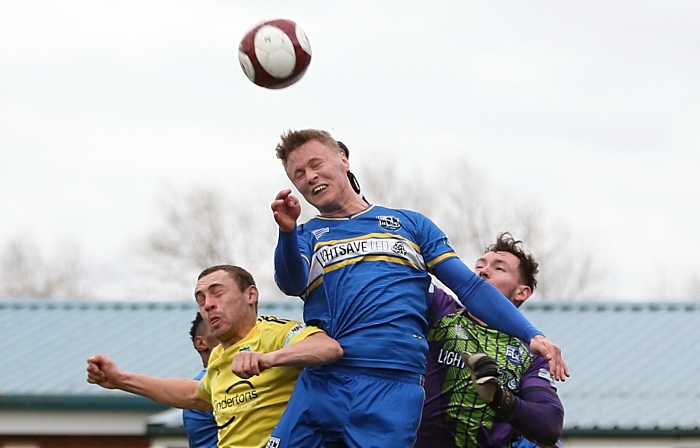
pixel 286 210
pixel 247 364
pixel 542 346
pixel 485 374
pixel 102 371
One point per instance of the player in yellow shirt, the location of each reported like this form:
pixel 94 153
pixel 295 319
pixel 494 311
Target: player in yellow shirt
pixel 246 408
pixel 250 375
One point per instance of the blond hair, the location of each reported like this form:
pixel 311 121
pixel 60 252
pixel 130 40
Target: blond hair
pixel 291 140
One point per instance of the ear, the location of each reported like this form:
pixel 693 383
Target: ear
pixel 252 293
pixel 522 293
pixel 199 343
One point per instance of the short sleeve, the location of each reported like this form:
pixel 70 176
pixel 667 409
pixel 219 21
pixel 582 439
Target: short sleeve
pixel 297 331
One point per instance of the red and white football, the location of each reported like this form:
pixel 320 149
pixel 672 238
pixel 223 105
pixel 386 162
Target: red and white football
pixel 275 54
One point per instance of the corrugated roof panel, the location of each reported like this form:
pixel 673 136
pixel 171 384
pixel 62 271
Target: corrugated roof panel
pixel 44 344
pixel 631 363
pixel 68 333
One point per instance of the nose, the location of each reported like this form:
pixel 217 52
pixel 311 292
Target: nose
pixel 311 176
pixel 208 304
pixel 483 273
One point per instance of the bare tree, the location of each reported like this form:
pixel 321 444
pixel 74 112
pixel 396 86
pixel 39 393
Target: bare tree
pixel 201 227
pixel 472 211
pixel 394 187
pixel 25 271
pixel 192 230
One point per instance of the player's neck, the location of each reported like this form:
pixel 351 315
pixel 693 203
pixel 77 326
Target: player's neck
pixel 237 335
pixel 354 204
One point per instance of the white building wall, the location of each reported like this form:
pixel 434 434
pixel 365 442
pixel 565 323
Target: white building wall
pixel 641 442
pixel 73 423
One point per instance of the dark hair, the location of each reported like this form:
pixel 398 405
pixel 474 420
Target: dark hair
pixel 528 265
pixel 291 140
pixel 344 148
pixel 198 320
pixel 239 275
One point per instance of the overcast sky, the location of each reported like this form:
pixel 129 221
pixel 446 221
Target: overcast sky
pixel 591 109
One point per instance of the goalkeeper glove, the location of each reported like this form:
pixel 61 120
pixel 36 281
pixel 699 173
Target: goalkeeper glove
pixel 485 375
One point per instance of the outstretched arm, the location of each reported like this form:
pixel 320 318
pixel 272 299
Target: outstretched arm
pixel 484 301
pixel 175 392
pixel 315 350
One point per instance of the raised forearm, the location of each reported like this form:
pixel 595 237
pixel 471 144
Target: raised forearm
pixel 315 350
pixel 290 267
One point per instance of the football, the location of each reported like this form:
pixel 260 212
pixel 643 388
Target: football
pixel 275 53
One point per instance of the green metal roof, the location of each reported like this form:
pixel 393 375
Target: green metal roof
pixel 45 344
pixel 633 365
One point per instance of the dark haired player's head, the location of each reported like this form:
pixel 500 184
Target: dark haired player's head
pixel 194 330
pixel 529 268
pixel 202 338
pixel 509 267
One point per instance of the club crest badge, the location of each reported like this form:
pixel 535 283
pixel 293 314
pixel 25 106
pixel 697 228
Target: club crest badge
pixel 389 222
pixel 514 354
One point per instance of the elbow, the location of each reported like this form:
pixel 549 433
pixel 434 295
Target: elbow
pixel 550 439
pixel 325 351
pixel 336 351
pixel 202 405
pixel 547 412
pixel 288 287
pixel 551 435
pixel 196 402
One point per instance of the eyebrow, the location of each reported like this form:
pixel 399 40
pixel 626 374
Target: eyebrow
pixel 200 292
pixel 495 262
pixel 503 263
pixel 310 161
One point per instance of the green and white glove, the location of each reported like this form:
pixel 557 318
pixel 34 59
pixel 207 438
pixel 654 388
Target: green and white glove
pixel 485 375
